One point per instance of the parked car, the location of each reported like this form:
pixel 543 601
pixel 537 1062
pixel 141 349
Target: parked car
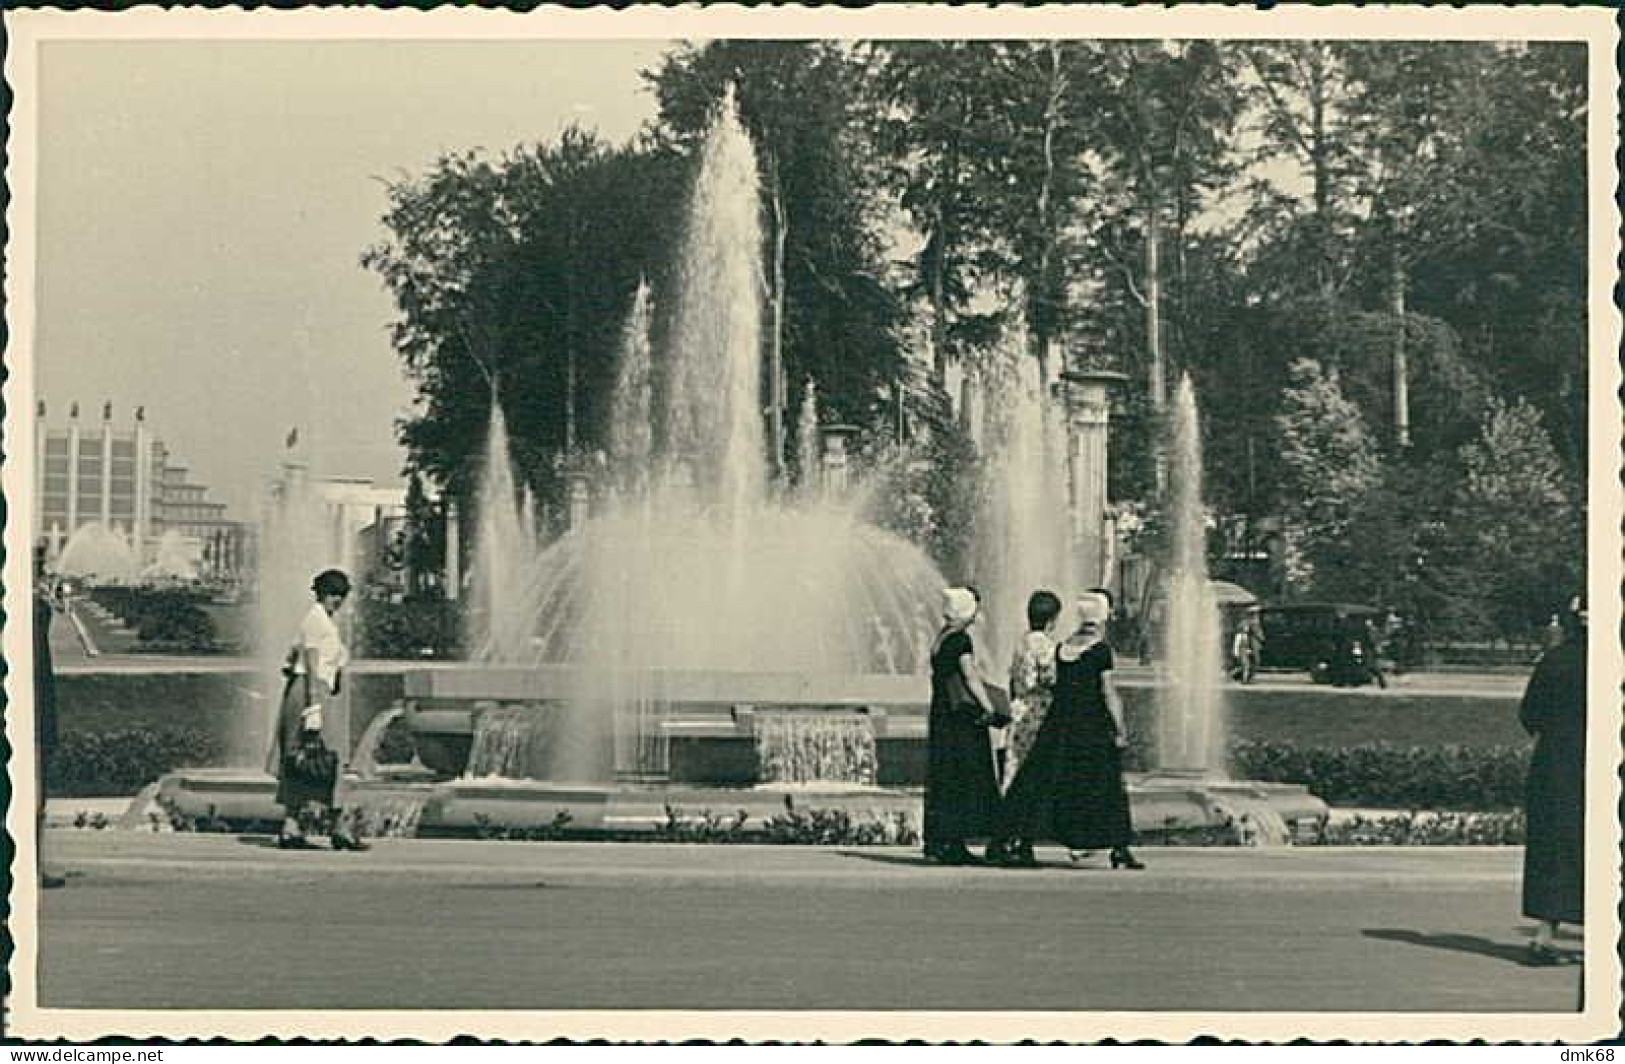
pixel 1310 635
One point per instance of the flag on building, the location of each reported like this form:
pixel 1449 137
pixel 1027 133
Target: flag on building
pixel 293 437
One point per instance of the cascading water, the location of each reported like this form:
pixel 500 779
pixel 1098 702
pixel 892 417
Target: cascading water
pixel 1190 717
pixel 1024 541
pixel 695 564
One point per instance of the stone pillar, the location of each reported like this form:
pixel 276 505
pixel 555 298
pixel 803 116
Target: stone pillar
pixel 73 471
pixel 454 574
pixel 39 472
pixel 835 462
pixel 1087 398
pixel 580 495
pixel 143 488
pixel 107 474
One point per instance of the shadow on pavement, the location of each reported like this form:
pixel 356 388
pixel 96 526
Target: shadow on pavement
pixel 915 860
pixel 1484 947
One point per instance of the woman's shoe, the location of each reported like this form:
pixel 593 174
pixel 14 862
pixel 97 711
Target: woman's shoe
pixel 1123 858
pixel 349 842
pixel 953 853
pixel 1545 955
pixel 1020 856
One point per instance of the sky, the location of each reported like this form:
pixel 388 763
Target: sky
pixel 203 206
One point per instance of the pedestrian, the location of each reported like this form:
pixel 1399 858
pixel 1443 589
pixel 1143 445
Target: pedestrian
pixel 1070 786
pixel 1245 648
pixel 961 791
pixel 1032 682
pixel 309 744
pixel 1554 712
pixel 45 724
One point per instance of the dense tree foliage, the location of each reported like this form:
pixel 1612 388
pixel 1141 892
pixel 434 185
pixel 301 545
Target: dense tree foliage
pixel 1370 256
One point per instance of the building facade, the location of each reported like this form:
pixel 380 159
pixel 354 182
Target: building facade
pixel 119 479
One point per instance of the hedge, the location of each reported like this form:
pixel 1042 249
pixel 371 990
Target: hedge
pixel 1379 775
pixel 121 762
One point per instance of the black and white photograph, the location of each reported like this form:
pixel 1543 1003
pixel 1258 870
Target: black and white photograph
pixel 1060 524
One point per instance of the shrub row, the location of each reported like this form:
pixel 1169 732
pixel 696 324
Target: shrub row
pixel 164 616
pixel 410 629
pixel 1392 777
pixel 120 762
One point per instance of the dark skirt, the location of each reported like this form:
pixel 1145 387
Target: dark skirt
pixel 293 793
pixel 961 791
pixel 1554 848
pixel 1069 790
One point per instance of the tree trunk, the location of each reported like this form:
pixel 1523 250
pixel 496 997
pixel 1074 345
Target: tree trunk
pixel 1158 386
pixel 1402 411
pixel 1041 298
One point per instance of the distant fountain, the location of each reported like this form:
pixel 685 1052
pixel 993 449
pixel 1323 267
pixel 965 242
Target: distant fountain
pixel 1024 540
pixel 1190 716
pixel 99 552
pixel 694 564
pixel 175 559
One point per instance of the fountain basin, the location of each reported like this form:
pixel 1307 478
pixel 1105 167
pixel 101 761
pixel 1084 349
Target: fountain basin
pixel 468 808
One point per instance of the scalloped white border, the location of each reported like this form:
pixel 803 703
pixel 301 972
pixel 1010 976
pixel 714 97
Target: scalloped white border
pixel 28 28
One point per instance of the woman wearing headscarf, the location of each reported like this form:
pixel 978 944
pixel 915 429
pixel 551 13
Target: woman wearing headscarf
pixel 961 790
pixel 1554 712
pixel 1070 785
pixel 308 744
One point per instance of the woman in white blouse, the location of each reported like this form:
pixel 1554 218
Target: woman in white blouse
pixel 309 743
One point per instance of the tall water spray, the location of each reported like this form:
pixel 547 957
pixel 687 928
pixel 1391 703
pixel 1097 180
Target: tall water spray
pixel 505 536
pixel 1190 721
pixel 298 539
pixel 1023 535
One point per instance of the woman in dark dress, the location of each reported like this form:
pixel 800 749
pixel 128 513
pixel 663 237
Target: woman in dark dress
pixel 1554 712
pixel 961 790
pixel 1070 786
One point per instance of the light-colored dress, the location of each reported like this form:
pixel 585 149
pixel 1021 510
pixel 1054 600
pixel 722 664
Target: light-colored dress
pixel 1032 684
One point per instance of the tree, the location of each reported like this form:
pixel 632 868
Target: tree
pixel 834 319
pixel 512 277
pixel 1522 514
pixel 936 122
pixel 1328 463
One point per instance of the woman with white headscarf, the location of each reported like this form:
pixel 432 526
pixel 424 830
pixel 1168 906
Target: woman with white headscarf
pixel 961 790
pixel 1070 785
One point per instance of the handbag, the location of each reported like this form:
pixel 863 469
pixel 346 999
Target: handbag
pixel 311 763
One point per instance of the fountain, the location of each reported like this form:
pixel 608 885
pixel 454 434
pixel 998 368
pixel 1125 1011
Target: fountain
pixel 1189 697
pixel 701 625
pixel 176 559
pixel 694 585
pixel 1190 725
pixel 99 552
pixel 1023 537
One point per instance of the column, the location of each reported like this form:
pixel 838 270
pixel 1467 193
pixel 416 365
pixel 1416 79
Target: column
pixel 835 461
pixel 454 575
pixel 580 495
pixel 1087 397
pixel 73 471
pixel 107 473
pixel 39 471
pixel 143 488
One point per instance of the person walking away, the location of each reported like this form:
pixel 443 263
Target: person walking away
pixel 308 740
pixel 1554 712
pixel 961 792
pixel 1070 786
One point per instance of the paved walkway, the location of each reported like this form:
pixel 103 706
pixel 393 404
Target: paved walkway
pixel 225 922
